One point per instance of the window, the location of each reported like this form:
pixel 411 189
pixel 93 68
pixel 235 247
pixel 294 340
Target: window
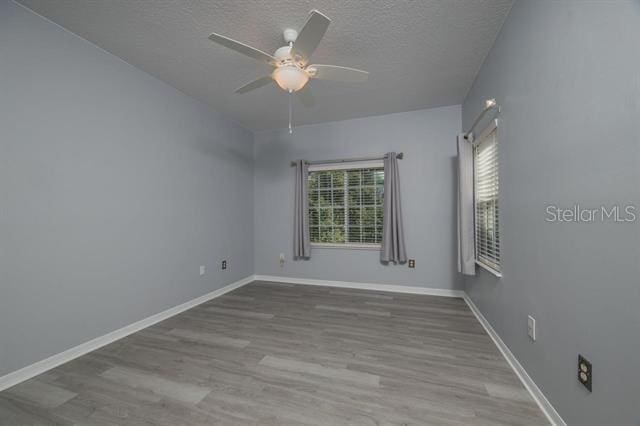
pixel 345 204
pixel 486 187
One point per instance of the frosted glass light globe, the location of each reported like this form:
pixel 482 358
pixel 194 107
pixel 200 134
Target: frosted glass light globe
pixel 290 78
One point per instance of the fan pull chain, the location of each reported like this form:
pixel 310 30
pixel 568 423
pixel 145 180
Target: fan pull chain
pixel 290 110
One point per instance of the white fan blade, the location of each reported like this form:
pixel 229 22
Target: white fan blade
pixel 262 81
pixel 337 73
pixel 306 97
pixel 309 37
pixel 243 48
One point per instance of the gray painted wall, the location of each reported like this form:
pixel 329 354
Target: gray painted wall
pixel 115 187
pixel 567 76
pixel 427 137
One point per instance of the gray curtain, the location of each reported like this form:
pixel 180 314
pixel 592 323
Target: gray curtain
pixel 466 240
pixel 393 249
pixel 301 238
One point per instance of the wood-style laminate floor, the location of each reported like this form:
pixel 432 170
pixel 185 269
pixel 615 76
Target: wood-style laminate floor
pixel 280 354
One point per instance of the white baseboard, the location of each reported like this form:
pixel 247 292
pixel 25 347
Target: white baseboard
pixel 364 286
pixel 53 361
pixel 552 415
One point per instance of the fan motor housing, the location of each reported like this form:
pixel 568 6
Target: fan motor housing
pixel 283 54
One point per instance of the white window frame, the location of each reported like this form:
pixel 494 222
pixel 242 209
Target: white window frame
pixel 492 267
pixel 347 165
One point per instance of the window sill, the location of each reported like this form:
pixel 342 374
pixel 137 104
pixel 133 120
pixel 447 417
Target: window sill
pixel 376 247
pixel 489 269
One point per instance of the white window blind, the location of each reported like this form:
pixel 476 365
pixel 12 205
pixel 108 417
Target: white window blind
pixel 486 187
pixel 345 205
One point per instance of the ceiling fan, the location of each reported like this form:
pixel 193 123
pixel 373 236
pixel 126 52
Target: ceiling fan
pixel 291 62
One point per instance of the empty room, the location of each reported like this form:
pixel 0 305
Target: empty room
pixel 332 212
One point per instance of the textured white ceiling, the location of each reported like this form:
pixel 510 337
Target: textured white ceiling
pixel 420 54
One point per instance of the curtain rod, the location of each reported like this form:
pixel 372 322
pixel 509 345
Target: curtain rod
pixel 488 105
pixel 399 156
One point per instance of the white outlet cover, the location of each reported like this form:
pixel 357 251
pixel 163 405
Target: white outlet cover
pixel 203 269
pixel 531 327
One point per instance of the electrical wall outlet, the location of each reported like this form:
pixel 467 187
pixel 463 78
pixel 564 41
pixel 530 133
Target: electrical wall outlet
pixel 412 263
pixel 584 372
pixel 531 327
pixel 203 270
pixel 281 260
pixel 224 264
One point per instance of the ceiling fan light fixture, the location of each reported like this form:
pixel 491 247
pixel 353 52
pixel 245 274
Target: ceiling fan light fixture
pixel 290 78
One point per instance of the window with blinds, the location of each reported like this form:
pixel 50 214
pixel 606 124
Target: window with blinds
pixel 486 187
pixel 345 205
